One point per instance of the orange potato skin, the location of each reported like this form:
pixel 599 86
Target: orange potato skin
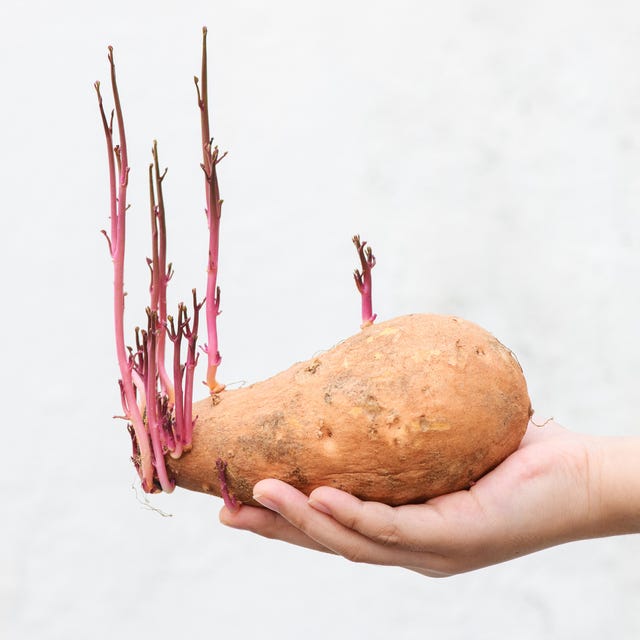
pixel 406 410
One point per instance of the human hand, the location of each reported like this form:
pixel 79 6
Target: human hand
pixel 557 487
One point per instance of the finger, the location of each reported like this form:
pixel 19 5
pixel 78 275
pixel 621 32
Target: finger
pixel 444 536
pixel 374 520
pixel 443 529
pixel 267 524
pixel 411 527
pixel 324 529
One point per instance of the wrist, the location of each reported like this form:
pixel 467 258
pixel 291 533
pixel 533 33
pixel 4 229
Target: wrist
pixel 614 485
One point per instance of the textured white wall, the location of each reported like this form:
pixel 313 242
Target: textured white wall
pixel 490 151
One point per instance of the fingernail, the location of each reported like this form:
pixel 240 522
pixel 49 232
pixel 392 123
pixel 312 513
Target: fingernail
pixel 318 506
pixel 266 502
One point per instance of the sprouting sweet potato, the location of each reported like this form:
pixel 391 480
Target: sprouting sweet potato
pixel 405 410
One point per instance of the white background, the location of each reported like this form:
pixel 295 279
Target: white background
pixel 489 151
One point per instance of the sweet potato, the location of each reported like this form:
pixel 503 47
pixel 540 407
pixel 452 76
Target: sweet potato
pixel 403 411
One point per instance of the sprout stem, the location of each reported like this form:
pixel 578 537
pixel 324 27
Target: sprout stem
pixel 160 273
pixel 154 419
pixel 175 335
pixel 191 334
pixel 230 500
pixel 363 280
pixel 210 158
pixel 118 206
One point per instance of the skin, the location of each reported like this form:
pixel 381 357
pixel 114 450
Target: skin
pixel 557 487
